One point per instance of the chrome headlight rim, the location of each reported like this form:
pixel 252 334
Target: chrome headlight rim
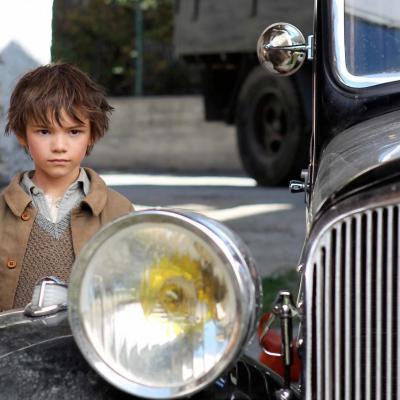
pixel 227 245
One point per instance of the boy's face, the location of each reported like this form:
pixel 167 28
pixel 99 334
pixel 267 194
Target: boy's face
pixel 58 150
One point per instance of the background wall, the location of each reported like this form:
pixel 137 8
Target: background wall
pixel 166 134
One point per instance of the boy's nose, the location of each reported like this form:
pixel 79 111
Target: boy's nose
pixel 58 144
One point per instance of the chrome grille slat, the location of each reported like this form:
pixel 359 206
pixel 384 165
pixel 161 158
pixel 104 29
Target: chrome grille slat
pixel 348 315
pixel 389 300
pixel 338 316
pixel 356 358
pixel 398 306
pixel 358 308
pixel 320 350
pixel 378 289
pixel 368 301
pixel 328 310
pixel 309 296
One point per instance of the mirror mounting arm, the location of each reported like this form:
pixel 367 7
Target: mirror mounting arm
pixel 304 48
pixel 310 47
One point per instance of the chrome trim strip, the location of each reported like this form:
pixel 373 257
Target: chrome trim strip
pixel 340 69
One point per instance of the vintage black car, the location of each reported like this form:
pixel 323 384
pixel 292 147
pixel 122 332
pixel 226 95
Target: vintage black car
pixel 162 302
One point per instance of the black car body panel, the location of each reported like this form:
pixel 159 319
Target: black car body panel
pixel 337 106
pixel 41 355
pixel 353 153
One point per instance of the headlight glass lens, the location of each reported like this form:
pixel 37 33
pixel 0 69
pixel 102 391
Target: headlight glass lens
pixel 158 305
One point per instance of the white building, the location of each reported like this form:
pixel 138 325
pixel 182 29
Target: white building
pixel 14 62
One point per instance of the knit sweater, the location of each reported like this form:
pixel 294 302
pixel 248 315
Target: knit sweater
pixel 49 250
pixel 49 253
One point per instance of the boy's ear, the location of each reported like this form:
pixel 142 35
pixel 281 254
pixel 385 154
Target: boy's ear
pixel 21 140
pixel 90 146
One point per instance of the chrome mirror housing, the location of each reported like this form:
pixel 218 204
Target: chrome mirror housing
pixel 282 49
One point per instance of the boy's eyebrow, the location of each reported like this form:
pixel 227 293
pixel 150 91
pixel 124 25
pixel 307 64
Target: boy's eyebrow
pixel 75 126
pixel 79 125
pixel 39 126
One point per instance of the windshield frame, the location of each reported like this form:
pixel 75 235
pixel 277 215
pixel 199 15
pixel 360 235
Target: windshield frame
pixel 339 60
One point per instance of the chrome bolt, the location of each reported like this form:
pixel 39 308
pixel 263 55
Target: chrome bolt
pixel 297 186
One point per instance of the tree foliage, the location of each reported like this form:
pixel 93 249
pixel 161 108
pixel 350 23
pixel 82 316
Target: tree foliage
pixel 99 37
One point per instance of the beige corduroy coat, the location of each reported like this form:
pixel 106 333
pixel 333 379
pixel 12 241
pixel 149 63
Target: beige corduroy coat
pixel 100 206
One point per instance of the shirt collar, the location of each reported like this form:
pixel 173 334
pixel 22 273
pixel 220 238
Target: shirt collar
pixel 84 179
pixel 17 199
pixel 27 183
pixel 30 188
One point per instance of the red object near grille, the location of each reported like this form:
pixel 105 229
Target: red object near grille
pixel 273 342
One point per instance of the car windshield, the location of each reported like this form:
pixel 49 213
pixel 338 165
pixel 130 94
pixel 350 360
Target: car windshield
pixel 372 37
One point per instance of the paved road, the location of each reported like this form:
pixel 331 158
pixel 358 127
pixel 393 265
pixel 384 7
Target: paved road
pixel 270 220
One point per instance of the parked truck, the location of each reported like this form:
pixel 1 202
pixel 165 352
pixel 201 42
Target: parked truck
pixel 272 114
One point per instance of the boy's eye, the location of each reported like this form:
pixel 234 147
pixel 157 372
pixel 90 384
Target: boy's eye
pixel 74 132
pixel 43 131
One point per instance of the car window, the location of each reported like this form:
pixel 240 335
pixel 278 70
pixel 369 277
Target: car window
pixel 372 36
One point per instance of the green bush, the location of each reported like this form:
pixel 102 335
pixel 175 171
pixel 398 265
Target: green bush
pixel 272 284
pixel 99 37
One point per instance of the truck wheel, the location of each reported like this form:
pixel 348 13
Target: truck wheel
pixel 270 124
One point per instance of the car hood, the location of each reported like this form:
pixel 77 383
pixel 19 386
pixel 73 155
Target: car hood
pixel 40 360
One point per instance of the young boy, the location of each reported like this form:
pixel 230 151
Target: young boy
pixel 46 215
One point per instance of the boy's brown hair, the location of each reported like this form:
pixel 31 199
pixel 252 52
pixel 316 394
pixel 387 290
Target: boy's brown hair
pixel 47 90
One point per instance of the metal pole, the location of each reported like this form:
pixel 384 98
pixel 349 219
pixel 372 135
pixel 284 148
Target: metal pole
pixel 139 49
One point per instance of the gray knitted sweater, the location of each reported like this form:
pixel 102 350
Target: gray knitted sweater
pixel 49 250
pixel 46 255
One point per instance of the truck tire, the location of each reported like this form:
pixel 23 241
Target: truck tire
pixel 270 129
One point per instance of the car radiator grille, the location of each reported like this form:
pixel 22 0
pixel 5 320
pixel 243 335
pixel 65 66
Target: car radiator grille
pixel 352 313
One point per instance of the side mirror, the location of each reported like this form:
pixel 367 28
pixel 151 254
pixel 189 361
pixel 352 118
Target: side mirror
pixel 282 49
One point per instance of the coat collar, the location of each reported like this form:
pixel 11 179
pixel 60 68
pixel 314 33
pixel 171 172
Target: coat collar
pixel 17 199
pixel 97 197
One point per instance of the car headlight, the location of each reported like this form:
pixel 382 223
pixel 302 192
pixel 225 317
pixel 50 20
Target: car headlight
pixel 161 302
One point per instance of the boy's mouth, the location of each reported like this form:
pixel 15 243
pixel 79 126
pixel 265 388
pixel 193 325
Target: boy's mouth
pixel 58 161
